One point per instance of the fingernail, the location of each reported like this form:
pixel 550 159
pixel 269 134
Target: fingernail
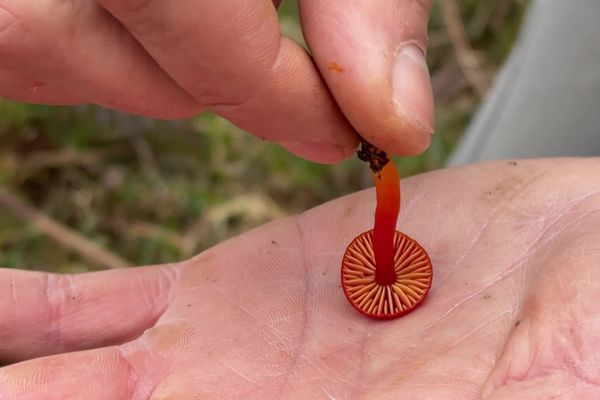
pixel 322 153
pixel 412 88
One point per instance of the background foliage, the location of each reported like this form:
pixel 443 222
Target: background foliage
pixel 150 191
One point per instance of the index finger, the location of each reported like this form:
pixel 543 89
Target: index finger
pixel 231 57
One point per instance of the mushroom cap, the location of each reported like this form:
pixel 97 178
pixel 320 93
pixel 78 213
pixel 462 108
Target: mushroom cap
pixel 414 274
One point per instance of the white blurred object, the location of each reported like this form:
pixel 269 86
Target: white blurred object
pixel 546 100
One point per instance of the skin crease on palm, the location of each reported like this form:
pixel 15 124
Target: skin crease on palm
pixel 513 313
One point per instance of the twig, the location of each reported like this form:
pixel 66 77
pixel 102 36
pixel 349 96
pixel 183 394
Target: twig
pixel 60 233
pixel 145 155
pixel 133 128
pixel 467 57
pixel 65 158
pixel 146 230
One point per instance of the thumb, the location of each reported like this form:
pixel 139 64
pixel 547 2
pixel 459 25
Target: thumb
pixel 372 56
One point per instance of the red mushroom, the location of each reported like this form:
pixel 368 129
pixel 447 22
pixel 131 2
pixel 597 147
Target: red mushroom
pixel 385 273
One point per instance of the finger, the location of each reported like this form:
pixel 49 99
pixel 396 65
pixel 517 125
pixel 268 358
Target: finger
pixel 75 53
pixel 230 56
pixel 371 54
pixel 48 313
pixel 91 375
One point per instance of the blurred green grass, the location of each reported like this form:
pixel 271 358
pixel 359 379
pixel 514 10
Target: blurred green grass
pixel 160 191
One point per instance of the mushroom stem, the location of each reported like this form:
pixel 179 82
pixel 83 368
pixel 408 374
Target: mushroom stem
pixel 385 273
pixel 387 187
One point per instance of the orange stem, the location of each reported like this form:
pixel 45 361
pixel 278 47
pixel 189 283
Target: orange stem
pixel 387 188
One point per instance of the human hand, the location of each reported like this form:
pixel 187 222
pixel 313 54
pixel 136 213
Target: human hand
pixel 172 59
pixel 513 311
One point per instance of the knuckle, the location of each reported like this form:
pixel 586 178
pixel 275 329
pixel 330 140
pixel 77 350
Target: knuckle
pixel 241 87
pixel 141 17
pixel 58 291
pixel 134 5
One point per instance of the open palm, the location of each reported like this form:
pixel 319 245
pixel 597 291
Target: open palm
pixel 513 313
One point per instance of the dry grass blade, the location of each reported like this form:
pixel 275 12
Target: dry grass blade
pixel 61 234
pixel 467 58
